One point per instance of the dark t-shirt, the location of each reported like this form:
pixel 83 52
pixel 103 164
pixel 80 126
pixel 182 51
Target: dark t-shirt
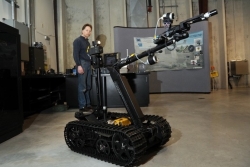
pixel 81 48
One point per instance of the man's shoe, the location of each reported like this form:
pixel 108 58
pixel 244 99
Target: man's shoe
pixel 89 107
pixel 85 111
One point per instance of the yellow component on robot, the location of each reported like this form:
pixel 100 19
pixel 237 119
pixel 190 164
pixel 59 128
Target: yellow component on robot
pixel 122 122
pixel 132 55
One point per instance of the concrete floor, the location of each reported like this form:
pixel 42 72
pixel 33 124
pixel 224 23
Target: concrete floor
pixel 209 130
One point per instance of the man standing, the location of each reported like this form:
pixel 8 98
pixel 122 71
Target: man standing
pixel 82 59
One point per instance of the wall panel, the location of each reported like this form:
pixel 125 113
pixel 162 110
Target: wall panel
pixel 78 12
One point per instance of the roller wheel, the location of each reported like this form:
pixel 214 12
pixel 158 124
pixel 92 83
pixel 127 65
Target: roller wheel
pixel 122 147
pixel 75 136
pixel 102 146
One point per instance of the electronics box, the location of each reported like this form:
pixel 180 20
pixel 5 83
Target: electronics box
pixel 36 58
pixel 24 36
pixel 110 58
pixel 239 67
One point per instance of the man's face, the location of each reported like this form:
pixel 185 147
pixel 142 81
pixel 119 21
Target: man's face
pixel 86 32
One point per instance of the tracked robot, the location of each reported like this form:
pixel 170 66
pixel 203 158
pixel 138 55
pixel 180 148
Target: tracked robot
pixel 123 138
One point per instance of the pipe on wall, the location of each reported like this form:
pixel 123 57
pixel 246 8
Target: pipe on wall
pixel 13 9
pixel 191 8
pixel 203 6
pixel 27 19
pixel 32 21
pixel 56 33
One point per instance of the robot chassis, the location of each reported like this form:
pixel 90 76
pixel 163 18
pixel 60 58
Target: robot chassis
pixel 123 138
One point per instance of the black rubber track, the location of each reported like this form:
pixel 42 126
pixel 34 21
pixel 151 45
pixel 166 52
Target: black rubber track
pixel 154 120
pixel 79 139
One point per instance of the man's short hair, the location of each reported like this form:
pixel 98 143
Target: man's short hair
pixel 86 25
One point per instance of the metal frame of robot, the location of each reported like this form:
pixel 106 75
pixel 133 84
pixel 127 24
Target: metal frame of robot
pixel 167 38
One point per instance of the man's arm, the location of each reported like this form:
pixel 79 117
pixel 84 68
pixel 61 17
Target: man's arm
pixel 76 52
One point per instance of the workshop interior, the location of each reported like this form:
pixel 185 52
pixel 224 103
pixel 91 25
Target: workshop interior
pixel 140 51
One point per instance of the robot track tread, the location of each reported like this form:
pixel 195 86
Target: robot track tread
pixel 153 120
pixel 121 145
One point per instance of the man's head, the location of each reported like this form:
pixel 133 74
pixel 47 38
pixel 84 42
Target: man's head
pixel 86 30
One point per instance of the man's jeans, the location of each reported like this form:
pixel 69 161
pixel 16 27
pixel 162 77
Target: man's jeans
pixel 84 85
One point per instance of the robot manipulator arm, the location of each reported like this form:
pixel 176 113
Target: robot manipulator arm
pixel 167 38
pixel 152 59
pixel 185 26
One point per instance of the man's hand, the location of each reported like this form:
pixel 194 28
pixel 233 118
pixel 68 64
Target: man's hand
pixel 80 70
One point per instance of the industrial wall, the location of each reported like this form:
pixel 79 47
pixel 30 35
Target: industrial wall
pixel 44 30
pixel 39 17
pixel 229 30
pixel 238 34
pixel 103 15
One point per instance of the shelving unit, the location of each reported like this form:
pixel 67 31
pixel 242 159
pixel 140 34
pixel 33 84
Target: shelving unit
pixel 41 92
